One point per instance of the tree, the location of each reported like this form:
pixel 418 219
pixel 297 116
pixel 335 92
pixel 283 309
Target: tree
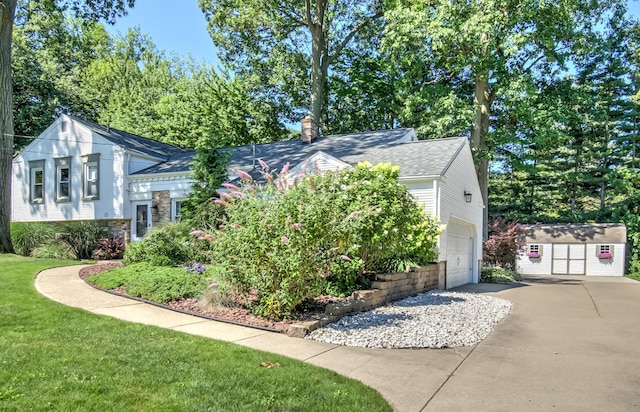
pixel 269 39
pixel 492 43
pixel 49 53
pixel 93 10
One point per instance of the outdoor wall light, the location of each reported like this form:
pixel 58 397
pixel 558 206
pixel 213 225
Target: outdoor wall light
pixel 467 196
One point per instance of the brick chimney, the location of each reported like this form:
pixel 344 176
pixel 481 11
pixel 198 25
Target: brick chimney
pixel 309 129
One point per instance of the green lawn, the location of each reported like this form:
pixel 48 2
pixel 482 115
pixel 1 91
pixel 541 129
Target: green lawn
pixel 59 358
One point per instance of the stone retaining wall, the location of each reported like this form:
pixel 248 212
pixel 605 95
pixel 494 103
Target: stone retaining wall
pixel 385 289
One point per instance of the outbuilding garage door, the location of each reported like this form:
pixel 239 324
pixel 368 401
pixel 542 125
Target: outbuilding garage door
pixel 569 259
pixel 459 255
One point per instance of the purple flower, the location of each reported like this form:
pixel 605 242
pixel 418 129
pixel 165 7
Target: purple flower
pixel 225 195
pixel 345 257
pixel 209 237
pixel 196 233
pixel 296 225
pixel 263 164
pixel 200 237
pixel 237 194
pixel 284 239
pixel 213 285
pixel 220 202
pixel 285 168
pixel 230 186
pixel 243 175
pixel 605 255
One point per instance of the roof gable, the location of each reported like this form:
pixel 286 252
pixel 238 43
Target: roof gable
pixel 132 142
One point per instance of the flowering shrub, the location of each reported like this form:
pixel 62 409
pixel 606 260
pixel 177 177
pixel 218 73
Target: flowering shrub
pixel 605 255
pixel 533 255
pixel 290 241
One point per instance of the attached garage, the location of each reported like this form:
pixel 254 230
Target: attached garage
pixel 590 249
pixel 460 254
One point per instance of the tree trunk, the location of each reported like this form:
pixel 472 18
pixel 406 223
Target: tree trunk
pixel 319 61
pixel 7 15
pixel 479 132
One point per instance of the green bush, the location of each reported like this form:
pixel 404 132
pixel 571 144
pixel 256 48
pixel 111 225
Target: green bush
pixel 497 274
pixel 154 283
pixel 54 250
pixel 27 236
pixel 83 237
pixel 167 245
pixel 325 232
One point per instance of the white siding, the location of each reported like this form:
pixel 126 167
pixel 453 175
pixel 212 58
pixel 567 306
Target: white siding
pixel 612 267
pixel 75 141
pixel 538 266
pixel 458 178
pixel 572 259
pixel 425 195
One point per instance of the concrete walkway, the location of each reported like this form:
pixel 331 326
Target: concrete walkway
pixel 569 344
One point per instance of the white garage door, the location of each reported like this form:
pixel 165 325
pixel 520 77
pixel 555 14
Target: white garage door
pixel 459 255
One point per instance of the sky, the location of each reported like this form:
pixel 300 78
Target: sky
pixel 183 29
pixel 175 29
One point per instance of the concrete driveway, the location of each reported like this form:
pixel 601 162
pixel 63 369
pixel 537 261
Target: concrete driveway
pixel 570 344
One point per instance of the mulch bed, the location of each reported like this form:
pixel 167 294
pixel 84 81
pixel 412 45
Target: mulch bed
pixel 238 314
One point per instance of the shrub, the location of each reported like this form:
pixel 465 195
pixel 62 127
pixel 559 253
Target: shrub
pixel 504 242
pixel 27 236
pixel 498 275
pixel 82 237
pixel 325 232
pixel 54 250
pixel 154 283
pixel 167 245
pixel 110 247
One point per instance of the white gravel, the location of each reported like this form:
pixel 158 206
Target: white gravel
pixel 436 319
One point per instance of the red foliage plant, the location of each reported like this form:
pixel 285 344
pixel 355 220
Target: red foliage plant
pixel 504 242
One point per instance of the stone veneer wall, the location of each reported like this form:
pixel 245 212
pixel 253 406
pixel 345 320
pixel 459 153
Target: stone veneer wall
pixel 120 228
pixel 160 207
pixel 385 289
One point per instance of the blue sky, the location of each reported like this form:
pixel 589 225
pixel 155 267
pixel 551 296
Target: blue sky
pixel 182 28
pixel 178 27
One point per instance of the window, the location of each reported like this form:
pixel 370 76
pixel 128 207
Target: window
pixel 534 251
pixel 176 207
pixel 36 181
pixel 604 251
pixel 63 179
pixel 91 177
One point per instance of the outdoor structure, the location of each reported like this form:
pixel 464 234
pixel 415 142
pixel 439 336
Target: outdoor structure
pixel 77 170
pixel 566 249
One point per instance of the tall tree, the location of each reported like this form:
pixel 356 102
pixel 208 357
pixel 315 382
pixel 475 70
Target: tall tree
pixel 287 42
pixel 492 43
pixel 93 10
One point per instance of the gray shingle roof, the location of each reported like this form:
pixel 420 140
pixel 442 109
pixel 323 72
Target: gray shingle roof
pixel 174 159
pixel 419 158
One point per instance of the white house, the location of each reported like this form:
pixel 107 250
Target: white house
pixel 570 249
pixel 77 170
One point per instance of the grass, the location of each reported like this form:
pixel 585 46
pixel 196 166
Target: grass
pixel 59 358
pixel 634 276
